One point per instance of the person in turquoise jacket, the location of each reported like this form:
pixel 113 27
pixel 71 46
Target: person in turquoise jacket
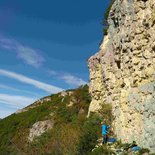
pixel 105 129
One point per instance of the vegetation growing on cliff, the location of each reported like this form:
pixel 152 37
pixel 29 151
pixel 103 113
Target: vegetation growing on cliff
pixel 73 133
pixel 105 18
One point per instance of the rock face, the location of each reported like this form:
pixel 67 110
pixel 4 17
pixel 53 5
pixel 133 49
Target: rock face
pixel 122 73
pixel 39 128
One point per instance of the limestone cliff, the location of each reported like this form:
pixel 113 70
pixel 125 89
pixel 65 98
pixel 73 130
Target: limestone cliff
pixel 122 73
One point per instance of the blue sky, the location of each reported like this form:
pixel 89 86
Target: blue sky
pixel 44 47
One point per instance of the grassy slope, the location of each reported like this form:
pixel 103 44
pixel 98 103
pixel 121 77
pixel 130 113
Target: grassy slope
pixel 72 134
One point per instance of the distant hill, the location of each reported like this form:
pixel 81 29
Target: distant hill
pixel 56 124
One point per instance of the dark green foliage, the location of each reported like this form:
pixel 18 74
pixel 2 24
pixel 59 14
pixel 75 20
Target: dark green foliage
pixel 124 146
pixel 15 127
pixel 144 150
pixel 105 18
pixel 14 130
pixel 106 114
pixel 73 133
pixel 103 150
pixel 105 31
pixel 90 134
pixel 127 146
pixel 106 14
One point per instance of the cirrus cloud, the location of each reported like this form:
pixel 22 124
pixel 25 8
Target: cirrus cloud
pixel 29 55
pixel 68 78
pixel 11 103
pixel 16 100
pixel 24 79
pixel 73 80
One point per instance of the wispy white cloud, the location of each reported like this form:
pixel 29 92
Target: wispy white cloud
pixel 29 55
pixel 46 87
pixel 6 112
pixel 2 86
pixel 13 100
pixel 73 80
pixel 8 87
pixel 68 78
pixel 11 103
pixel 52 72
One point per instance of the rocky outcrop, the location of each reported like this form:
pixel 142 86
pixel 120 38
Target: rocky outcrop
pixel 122 73
pixel 34 105
pixel 39 128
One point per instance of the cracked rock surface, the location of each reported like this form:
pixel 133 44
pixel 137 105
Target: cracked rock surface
pixel 39 128
pixel 122 73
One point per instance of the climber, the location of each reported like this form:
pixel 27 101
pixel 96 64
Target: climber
pixel 114 18
pixel 105 129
